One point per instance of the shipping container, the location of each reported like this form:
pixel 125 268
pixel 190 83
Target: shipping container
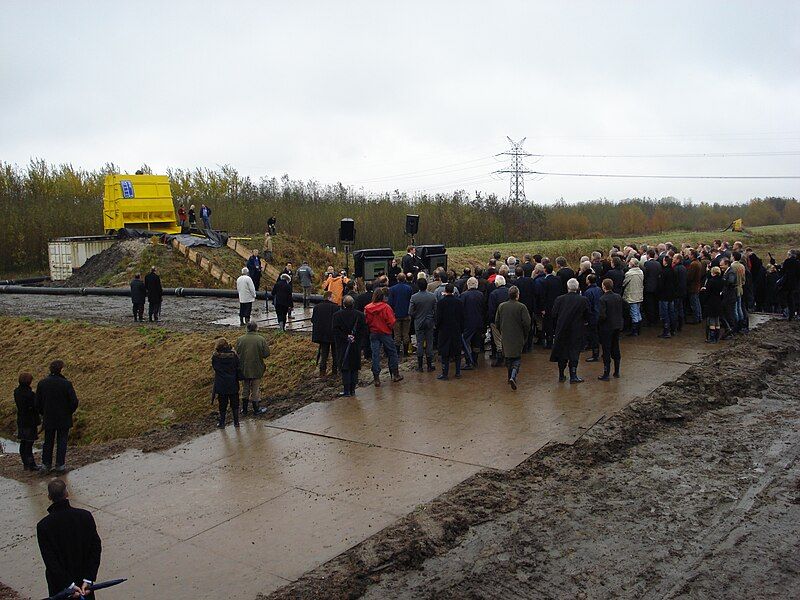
pixel 70 253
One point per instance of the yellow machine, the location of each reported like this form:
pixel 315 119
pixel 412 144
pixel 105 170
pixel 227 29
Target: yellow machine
pixel 138 202
pixel 736 226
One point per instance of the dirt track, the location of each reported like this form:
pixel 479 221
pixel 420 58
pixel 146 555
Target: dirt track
pixel 691 492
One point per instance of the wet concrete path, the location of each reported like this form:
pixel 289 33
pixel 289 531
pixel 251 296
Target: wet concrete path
pixel 250 510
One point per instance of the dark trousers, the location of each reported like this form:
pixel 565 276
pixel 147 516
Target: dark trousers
pixel 153 310
pixel 326 349
pixel 424 335
pixel 453 354
pixel 281 312
pixel 548 325
pixel 610 342
pixel 469 341
pixel 245 310
pixel 592 337
pixel 224 400
pixel 138 310
pixel 50 436
pixel 562 364
pixel 349 381
pixel 26 453
pixel 256 277
pixel 651 307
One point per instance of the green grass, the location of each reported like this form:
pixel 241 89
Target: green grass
pixel 775 238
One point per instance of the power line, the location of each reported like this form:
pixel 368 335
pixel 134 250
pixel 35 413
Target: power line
pixel 692 155
pixel 665 176
pixel 430 171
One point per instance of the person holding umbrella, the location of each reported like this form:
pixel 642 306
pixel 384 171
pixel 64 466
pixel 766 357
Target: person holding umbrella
pixel 349 329
pixel 69 544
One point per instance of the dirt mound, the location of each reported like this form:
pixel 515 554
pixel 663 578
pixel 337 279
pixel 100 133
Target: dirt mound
pixel 102 267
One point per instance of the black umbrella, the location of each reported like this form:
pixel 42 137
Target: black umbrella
pixel 67 593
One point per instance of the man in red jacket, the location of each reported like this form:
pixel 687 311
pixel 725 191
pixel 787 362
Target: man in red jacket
pixel 380 321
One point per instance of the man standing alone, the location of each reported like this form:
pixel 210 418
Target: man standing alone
pixel 306 277
pixel 155 293
pixel 254 269
pixel 56 401
pixel 69 544
pixel 252 349
pixel 514 322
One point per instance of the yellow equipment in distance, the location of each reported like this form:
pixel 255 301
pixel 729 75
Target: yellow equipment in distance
pixel 138 202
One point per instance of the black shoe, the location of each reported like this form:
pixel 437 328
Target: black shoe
pixel 575 379
pixel 592 359
pixel 60 469
pixel 604 377
pixel 616 374
pixel 512 382
pixel 442 377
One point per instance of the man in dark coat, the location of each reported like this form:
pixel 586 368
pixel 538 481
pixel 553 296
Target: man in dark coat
pixel 155 294
pixel 570 313
pixel 69 544
pixel 474 321
pixel 56 401
pixel 282 299
pixel 551 289
pixel 616 274
pixel 527 295
pixel 681 291
pixel 449 327
pixel 349 332
pixel 790 281
pixel 609 325
pixel 666 294
pixel 322 333
pixel 729 296
pixel 27 420
pixel 138 295
pixel 652 275
pixel 254 268
pixel 564 274
pixel 514 322
pixel 410 263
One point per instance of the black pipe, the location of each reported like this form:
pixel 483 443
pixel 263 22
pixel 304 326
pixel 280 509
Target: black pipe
pixel 27 281
pixel 124 291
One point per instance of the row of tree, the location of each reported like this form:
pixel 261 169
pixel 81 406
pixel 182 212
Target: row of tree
pixel 41 201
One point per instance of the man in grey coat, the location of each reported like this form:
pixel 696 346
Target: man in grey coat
pixel 514 323
pixel 306 277
pixel 423 311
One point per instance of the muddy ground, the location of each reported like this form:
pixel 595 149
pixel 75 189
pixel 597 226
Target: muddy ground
pixel 692 492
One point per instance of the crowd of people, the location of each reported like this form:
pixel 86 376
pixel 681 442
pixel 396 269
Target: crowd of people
pixel 509 305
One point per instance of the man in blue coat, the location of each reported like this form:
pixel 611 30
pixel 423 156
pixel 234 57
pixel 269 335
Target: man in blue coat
pixel 593 294
pixel 400 301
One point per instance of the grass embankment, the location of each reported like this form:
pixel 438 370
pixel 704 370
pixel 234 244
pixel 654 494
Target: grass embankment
pixel 130 381
pixel 285 248
pixel 774 238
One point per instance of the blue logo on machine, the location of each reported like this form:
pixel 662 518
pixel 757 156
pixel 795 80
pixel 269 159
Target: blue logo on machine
pixel 127 188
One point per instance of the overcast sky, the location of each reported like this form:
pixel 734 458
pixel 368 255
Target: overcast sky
pixel 411 95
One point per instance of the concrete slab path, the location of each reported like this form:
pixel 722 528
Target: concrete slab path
pixel 249 510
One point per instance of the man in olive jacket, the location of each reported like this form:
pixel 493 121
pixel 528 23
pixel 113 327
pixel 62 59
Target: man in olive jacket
pixel 56 401
pixel 252 350
pixel 514 322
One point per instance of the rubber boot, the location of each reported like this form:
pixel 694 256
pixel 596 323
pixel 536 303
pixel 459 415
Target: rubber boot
pixel 244 406
pixel 376 379
pixel 573 375
pixel 616 367
pixel 419 364
pixel 431 368
pixel 396 376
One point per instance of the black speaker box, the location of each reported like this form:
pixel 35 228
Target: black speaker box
pixel 347 231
